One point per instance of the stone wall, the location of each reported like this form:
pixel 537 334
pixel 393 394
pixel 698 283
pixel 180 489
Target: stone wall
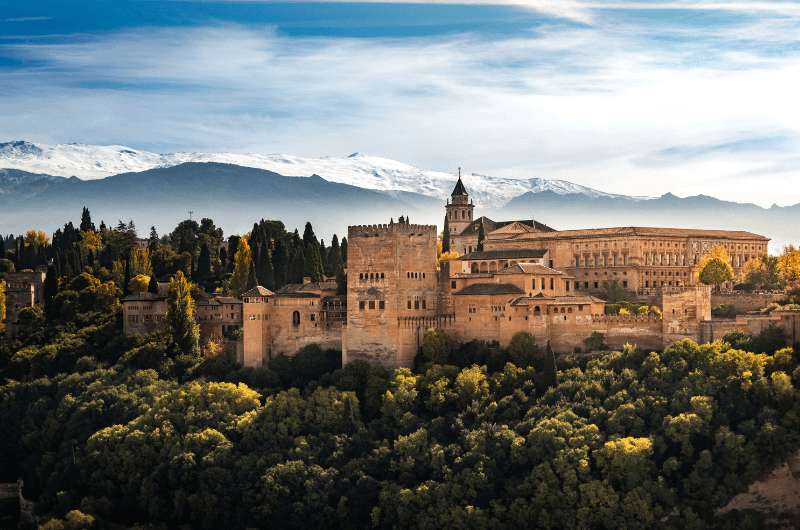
pixel 744 302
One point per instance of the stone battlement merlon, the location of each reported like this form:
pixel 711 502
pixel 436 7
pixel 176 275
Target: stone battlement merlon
pixel 399 228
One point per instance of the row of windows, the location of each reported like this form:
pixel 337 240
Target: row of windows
pixel 371 275
pixel 655 283
pixel 371 304
pixel 134 319
pixel 453 215
pixel 543 283
pixel 605 244
pixel 415 275
pixel 596 285
pixel 666 273
pixel 417 304
pixel 600 261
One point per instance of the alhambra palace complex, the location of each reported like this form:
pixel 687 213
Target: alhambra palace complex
pixel 527 277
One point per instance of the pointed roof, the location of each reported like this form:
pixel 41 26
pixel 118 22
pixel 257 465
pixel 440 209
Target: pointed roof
pixel 459 189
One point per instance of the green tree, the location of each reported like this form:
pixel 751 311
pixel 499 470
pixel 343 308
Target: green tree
pixel 243 261
pixel 522 349
pixel 312 264
pixel 152 285
pixel 334 261
pixel 50 289
pixel 184 331
pixel 204 263
pixel 297 266
pixel 86 221
pixel 436 346
pixel 280 262
pixel 481 236
pixel 716 272
pixel 264 269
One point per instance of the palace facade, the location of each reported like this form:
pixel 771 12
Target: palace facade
pixel 510 277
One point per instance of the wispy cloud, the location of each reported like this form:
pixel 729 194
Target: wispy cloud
pixel 614 104
pixel 25 19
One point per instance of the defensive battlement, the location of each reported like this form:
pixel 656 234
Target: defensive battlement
pixel 626 319
pixel 392 228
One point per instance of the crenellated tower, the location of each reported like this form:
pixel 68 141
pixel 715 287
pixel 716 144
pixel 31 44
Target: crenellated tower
pixel 391 280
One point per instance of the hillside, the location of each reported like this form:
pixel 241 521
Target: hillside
pixel 232 195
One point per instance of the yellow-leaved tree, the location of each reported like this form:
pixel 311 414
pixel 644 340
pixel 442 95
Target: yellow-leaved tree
pixel 719 256
pixel 36 238
pixel 789 266
pixel 183 329
pixel 242 262
pixel 2 302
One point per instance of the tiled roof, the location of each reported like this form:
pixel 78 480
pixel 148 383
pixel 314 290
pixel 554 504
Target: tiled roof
pixel 307 287
pixel 512 253
pixel 524 300
pixel 459 189
pixel 258 291
pixel 530 268
pixel 229 299
pixel 489 288
pixel 644 231
pixel 143 297
pixel 490 226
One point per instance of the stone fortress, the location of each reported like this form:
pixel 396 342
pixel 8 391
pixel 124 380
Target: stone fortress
pixel 510 277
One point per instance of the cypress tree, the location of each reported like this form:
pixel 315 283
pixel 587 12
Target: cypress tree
pixel 233 247
pixel 264 269
pixel 223 259
pixel 86 221
pixel 152 286
pixel 50 289
pixel 127 280
pixel 204 263
pixel 312 266
pixel 341 282
pixel 308 236
pixel 2 247
pixel 297 266
pixel 446 236
pixel 323 256
pixel 252 281
pixel 334 261
pixel 550 375
pixel 481 237
pixel 183 328
pixel 344 251
pixel 152 241
pixel 280 263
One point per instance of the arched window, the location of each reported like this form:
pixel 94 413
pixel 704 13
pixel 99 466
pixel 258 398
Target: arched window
pixel 296 318
pixel 537 311
pixel 474 268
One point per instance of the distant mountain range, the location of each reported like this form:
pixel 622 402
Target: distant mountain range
pixel 234 196
pixel 96 161
pixel 43 186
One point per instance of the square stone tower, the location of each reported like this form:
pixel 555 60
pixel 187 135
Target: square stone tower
pixel 391 281
pixel 683 309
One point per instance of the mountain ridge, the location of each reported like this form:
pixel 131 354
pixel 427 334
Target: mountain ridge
pixel 358 169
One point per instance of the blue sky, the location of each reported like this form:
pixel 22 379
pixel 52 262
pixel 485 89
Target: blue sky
pixel 687 96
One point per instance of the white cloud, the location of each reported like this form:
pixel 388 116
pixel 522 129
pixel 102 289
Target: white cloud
pixel 591 104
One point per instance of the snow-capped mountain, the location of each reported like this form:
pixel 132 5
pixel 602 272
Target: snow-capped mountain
pixel 95 161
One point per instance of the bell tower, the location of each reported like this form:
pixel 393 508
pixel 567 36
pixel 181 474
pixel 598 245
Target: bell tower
pixel 459 208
